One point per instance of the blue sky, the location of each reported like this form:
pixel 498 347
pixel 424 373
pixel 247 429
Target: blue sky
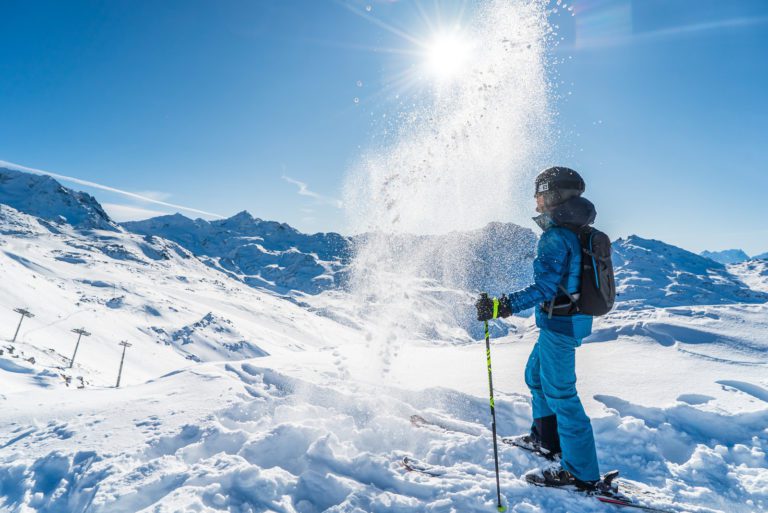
pixel 250 105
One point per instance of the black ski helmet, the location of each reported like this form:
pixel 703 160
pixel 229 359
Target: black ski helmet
pixel 559 184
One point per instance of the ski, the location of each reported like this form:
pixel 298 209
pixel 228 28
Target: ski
pixel 421 422
pixel 616 500
pixel 623 503
pixel 413 465
pixel 612 497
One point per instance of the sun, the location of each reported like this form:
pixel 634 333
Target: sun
pixel 441 47
pixel 447 54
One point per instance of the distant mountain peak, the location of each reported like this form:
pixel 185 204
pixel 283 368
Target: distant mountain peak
pixel 726 256
pixel 44 197
pixel 243 215
pixel 242 221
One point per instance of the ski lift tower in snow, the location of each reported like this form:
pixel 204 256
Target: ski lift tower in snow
pixel 24 313
pixel 80 334
pixel 125 345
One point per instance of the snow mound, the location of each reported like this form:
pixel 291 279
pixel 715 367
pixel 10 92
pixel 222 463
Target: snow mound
pixel 44 197
pixel 20 373
pixel 730 334
pixel 24 367
pixel 212 338
pixel 653 273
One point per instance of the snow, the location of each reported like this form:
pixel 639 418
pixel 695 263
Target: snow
pixel 237 399
pixel 753 272
pixel 209 339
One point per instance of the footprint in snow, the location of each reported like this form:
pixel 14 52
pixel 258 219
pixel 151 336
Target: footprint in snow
pixel 694 399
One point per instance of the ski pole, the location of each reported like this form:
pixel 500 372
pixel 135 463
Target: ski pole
pixel 493 408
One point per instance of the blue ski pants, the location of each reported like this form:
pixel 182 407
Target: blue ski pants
pixel 551 376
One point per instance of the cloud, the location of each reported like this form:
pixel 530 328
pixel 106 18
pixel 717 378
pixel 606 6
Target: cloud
pixel 304 191
pixel 121 213
pixel 107 188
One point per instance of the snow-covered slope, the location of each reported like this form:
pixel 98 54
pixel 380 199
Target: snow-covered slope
pixel 295 434
pixel 653 273
pixel 752 272
pixel 44 197
pixel 726 256
pixel 147 290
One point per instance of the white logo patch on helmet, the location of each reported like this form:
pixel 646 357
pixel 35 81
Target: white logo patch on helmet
pixel 543 187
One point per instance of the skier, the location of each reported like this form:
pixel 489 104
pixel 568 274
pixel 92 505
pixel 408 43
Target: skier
pixel 560 426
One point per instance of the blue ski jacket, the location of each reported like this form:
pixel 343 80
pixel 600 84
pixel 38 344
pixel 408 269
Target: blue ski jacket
pixel 557 262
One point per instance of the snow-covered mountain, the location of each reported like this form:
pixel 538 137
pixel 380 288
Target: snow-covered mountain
pixel 44 197
pixel 280 258
pixel 275 256
pixel 761 256
pixel 260 253
pixel 653 273
pixel 726 256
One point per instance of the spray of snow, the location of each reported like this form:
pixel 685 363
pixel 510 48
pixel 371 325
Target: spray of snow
pixel 457 163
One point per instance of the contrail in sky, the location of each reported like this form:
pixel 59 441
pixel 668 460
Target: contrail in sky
pixel 86 183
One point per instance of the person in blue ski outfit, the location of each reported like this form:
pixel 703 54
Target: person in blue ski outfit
pixel 560 425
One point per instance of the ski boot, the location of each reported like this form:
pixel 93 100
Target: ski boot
pixel 557 476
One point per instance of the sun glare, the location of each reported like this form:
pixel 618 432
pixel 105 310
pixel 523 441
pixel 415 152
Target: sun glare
pixel 447 55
